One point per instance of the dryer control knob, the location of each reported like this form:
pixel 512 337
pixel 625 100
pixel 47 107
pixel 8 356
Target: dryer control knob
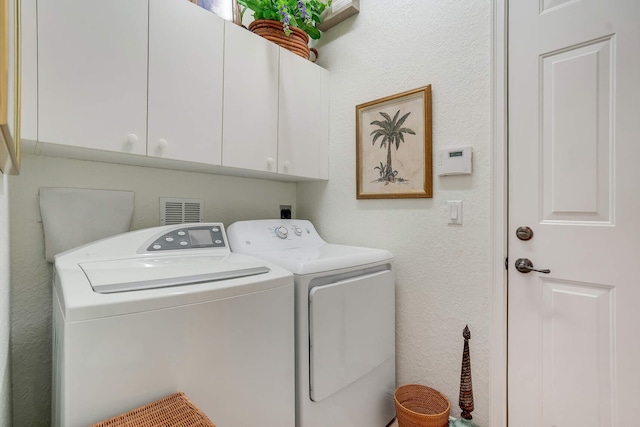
pixel 282 232
pixel 298 231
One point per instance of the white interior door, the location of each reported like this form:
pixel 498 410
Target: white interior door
pixel 574 139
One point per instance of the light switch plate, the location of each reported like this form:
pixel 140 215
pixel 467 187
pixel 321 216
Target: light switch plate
pixel 454 211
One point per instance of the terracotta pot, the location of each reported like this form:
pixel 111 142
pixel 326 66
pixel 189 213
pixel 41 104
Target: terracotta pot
pixel 297 42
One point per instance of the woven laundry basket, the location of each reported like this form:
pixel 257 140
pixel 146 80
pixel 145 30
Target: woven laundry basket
pixel 175 410
pixel 421 406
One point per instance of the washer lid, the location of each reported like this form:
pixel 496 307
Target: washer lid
pixel 74 283
pixel 133 274
pixel 89 281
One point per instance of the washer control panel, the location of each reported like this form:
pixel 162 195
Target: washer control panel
pixel 189 237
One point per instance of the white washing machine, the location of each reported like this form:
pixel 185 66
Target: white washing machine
pixel 345 322
pixel 144 314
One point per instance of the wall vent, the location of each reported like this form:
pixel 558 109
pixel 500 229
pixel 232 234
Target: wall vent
pixel 175 210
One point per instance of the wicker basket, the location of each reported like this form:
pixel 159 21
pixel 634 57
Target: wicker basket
pixel 297 42
pixel 175 410
pixel 421 406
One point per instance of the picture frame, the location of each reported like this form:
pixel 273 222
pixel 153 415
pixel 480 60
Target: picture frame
pixel 229 10
pixel 10 86
pixel 394 146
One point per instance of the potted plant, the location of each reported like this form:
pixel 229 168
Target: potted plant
pixel 288 23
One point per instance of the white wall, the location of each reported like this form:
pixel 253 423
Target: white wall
pixel 5 366
pixel 442 271
pixel 226 199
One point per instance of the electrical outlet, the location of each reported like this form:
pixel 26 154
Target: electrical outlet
pixel 285 212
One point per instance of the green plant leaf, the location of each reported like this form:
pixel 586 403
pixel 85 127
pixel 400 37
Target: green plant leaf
pixel 270 9
pixel 313 32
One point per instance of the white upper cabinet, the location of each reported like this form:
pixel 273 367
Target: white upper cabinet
pixel 303 124
pixel 186 45
pixel 173 83
pixel 92 73
pixel 250 101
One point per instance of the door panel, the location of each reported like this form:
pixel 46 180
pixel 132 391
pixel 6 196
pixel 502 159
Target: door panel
pixel 351 331
pixel 573 178
pixel 577 351
pixel 301 138
pixel 185 82
pixel 92 74
pixel 250 119
pixel 576 86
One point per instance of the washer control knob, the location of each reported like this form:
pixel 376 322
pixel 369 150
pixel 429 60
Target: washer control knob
pixel 157 246
pixel 181 233
pixel 297 230
pixel 282 232
pixel 183 243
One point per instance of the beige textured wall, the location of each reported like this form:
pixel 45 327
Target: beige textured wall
pixel 226 199
pixel 5 366
pixel 442 271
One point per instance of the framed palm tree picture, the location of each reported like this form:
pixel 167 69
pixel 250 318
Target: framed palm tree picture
pixel 393 146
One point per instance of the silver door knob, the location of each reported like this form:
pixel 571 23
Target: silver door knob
pixel 524 265
pixel 524 233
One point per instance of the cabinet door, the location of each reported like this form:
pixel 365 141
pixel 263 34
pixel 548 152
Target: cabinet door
pixel 92 73
pixel 185 82
pixel 303 119
pixel 250 130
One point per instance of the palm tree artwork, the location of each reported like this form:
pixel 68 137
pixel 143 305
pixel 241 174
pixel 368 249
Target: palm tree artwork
pixel 392 133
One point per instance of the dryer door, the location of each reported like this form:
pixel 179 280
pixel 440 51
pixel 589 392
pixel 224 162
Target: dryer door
pixel 351 331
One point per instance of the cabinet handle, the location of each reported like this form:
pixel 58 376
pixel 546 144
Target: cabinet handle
pixel 285 165
pixel 270 162
pixel 132 139
pixel 162 144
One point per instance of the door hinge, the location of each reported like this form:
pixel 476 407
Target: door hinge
pixel 506 263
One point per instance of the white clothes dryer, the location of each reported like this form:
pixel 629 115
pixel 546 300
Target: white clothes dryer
pixel 345 322
pixel 144 314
